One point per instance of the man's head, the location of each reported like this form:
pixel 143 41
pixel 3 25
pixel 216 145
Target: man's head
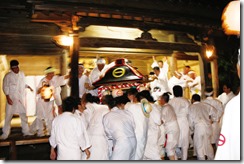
pixel 195 98
pixel 164 98
pixel 69 104
pixel 192 74
pixel 208 92
pixel 14 65
pixel 177 74
pixel 178 91
pixel 131 94
pixel 156 70
pixel 49 71
pixel 227 88
pixel 186 69
pixel 80 69
pixel 160 64
pixel 100 63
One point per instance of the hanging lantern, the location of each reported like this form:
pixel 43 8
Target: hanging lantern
pixel 210 51
pixel 231 18
pixel 46 92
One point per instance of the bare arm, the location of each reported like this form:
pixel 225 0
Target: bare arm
pixel 53 154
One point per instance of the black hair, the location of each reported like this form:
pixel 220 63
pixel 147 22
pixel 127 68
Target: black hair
pixel 48 68
pixel 89 98
pixel 187 66
pixel 228 85
pixel 121 99
pixel 208 89
pixel 145 94
pixel 156 68
pixel 96 99
pixel 14 63
pixel 69 104
pixel 132 91
pixel 178 91
pixel 196 97
pixel 165 96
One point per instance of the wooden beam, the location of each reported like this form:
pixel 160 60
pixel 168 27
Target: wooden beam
pixel 119 43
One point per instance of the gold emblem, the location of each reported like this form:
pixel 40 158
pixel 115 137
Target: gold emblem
pixel 118 72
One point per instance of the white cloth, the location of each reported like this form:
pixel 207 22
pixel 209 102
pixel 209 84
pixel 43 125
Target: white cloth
pixel 14 86
pixel 119 126
pixel 230 150
pixel 225 98
pixel 81 116
pixel 141 128
pixel 82 80
pixel 164 69
pixel 215 125
pixel 161 83
pixel 95 75
pixel 181 108
pixel 44 110
pixel 152 149
pixel 195 86
pixel 175 81
pixel 69 136
pixel 94 114
pixel 201 116
pixel 171 127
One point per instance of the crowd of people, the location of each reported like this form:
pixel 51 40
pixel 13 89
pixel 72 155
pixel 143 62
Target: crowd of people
pixel 132 124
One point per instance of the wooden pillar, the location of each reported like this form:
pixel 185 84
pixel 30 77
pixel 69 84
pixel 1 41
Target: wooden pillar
pixel 203 72
pixel 74 51
pixel 65 71
pixel 173 64
pixel 12 150
pixel 215 78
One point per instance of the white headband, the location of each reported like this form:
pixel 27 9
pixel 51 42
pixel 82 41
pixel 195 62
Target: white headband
pixel 191 72
pixel 208 93
pixel 100 61
pixel 49 70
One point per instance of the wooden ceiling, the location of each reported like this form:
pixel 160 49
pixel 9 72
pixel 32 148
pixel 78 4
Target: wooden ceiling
pixel 27 26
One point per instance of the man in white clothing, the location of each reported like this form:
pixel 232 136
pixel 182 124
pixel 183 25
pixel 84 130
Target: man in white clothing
pixel 93 115
pixel 201 116
pixel 14 89
pixel 160 83
pixel 170 123
pixel 195 83
pixel 97 73
pixel 141 128
pixel 229 145
pixel 83 79
pixel 68 134
pixel 119 127
pixel 227 95
pixel 44 111
pixel 220 109
pixel 152 149
pixel 176 80
pixel 163 65
pixel 181 108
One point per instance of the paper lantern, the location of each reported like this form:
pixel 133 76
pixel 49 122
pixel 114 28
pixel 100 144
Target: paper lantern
pixel 231 18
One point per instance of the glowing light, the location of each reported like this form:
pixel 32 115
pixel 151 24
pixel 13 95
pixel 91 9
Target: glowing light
pixel 231 18
pixel 63 40
pixel 209 51
pixel 46 92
